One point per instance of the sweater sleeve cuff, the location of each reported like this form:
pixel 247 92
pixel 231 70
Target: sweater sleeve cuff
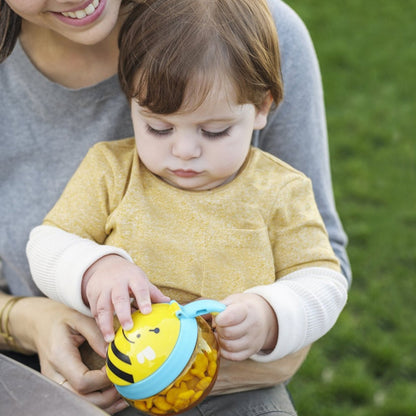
pixel 307 304
pixel 58 261
pixel 72 267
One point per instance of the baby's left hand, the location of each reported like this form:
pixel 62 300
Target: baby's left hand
pixel 246 326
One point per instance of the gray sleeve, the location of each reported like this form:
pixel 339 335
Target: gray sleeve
pixel 296 131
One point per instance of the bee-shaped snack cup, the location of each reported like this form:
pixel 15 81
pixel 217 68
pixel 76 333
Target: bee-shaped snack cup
pixel 168 362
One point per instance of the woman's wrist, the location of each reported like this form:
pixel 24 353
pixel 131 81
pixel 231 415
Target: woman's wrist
pixel 15 313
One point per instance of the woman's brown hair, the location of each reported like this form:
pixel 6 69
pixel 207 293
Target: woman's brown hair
pixel 167 46
pixel 10 25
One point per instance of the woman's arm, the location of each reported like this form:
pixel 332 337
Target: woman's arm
pixel 232 376
pixel 296 132
pixel 55 332
pixel 7 341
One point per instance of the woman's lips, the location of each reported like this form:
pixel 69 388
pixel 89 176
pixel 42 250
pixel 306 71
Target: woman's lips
pixel 85 9
pixel 90 12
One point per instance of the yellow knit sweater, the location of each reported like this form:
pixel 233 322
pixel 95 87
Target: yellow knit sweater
pixel 257 228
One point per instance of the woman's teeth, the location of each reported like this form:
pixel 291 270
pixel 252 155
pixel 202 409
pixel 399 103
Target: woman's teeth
pixel 80 14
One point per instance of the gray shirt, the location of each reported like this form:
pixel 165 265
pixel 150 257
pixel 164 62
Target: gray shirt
pixel 46 130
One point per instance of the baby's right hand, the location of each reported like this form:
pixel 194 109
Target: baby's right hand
pixel 107 287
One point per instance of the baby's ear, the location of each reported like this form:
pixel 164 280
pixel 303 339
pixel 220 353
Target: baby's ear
pixel 263 111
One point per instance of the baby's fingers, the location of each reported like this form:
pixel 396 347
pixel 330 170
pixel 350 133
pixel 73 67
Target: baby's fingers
pixel 102 311
pixel 104 318
pixel 120 298
pixel 156 295
pixel 233 315
pixel 141 293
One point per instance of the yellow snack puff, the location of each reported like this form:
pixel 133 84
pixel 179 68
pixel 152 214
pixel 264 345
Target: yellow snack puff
pixel 201 362
pixel 181 405
pixel 161 403
pixel 157 411
pixel 183 387
pixel 198 373
pixel 192 383
pixel 212 368
pixel 149 403
pixel 140 404
pixel 197 395
pixel 204 383
pixel 186 395
pixel 188 376
pixel 172 395
pixel 212 355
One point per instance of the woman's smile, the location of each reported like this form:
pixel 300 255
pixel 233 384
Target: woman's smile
pixel 79 13
pixel 84 15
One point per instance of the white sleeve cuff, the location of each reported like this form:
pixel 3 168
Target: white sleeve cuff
pixel 307 304
pixel 58 261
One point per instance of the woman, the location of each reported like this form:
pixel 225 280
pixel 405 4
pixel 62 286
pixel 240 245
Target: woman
pixel 59 95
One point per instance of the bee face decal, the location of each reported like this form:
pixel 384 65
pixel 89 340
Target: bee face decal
pixel 139 352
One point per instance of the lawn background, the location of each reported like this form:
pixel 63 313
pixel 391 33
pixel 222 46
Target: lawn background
pixel 366 366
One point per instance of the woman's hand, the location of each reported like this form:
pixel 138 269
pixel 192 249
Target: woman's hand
pixel 55 332
pixel 246 326
pixel 107 287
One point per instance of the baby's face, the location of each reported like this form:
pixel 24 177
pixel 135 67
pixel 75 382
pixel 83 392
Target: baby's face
pixel 199 149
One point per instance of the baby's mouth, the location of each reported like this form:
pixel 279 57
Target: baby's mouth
pixel 80 14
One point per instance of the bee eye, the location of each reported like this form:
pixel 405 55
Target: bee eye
pixel 138 335
pixel 156 330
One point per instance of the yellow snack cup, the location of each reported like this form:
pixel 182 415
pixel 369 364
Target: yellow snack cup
pixel 168 362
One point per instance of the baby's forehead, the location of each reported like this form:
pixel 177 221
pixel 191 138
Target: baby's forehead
pixel 216 108
pixel 203 88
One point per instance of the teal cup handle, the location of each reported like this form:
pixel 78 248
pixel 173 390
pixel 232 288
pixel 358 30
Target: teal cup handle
pixel 199 307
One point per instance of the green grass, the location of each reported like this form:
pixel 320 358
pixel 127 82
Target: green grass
pixel 366 366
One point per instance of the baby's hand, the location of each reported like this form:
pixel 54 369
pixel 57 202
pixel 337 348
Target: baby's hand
pixel 107 287
pixel 246 326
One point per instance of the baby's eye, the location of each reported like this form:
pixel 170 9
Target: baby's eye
pixel 158 132
pixel 216 134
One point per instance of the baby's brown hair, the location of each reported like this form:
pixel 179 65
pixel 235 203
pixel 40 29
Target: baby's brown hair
pixel 171 47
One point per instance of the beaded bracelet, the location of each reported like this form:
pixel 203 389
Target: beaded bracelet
pixel 5 323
